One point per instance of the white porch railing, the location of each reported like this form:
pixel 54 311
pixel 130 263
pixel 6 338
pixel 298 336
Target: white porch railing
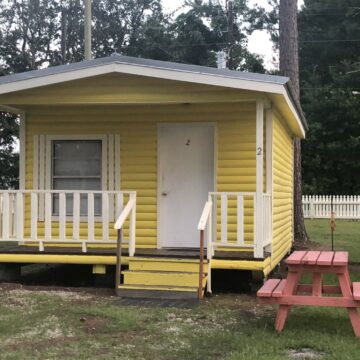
pixel 267 220
pixel 233 221
pixel 319 206
pixel 63 216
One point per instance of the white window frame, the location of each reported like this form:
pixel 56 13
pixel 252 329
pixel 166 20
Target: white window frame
pixel 49 155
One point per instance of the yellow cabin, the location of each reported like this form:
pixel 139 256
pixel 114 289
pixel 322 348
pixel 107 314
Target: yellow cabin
pixel 164 155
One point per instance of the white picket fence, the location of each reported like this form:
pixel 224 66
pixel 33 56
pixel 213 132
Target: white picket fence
pixel 319 206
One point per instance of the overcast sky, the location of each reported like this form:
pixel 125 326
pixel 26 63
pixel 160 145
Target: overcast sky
pixel 259 41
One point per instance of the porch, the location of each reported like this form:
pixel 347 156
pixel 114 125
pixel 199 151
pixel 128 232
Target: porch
pixel 55 222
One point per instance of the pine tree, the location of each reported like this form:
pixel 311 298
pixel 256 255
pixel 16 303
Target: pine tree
pixel 289 66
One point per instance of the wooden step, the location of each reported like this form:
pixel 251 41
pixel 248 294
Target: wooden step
pixel 157 292
pixel 161 278
pixel 165 264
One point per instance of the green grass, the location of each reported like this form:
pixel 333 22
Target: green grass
pixel 346 235
pixel 79 325
pixel 51 325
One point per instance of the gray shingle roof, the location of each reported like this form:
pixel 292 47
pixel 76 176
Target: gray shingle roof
pixel 156 64
pixel 119 59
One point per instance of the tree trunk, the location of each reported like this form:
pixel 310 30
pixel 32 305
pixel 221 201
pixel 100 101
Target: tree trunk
pixel 289 66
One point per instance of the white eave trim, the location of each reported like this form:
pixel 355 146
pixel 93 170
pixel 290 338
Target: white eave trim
pixel 294 111
pixel 142 70
pixel 52 79
pixel 156 72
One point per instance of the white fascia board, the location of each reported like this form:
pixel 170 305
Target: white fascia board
pixel 142 70
pixel 161 73
pixel 199 78
pixel 294 111
pixel 56 78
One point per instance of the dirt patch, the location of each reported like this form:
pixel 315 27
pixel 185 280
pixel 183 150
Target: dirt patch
pixel 63 291
pixel 231 301
pixel 10 286
pixel 93 324
pixel 305 354
pixel 311 245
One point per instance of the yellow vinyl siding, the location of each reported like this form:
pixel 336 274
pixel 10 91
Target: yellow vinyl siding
pixel 137 127
pixel 282 190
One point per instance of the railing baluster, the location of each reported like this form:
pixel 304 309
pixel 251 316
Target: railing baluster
pixel 34 215
pixel 19 216
pixel 90 216
pixel 105 216
pixel 11 215
pixel 48 215
pixel 224 209
pixel 240 220
pixel 62 216
pixel 6 217
pixel 76 219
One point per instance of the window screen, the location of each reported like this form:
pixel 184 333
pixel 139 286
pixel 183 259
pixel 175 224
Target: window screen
pixel 76 165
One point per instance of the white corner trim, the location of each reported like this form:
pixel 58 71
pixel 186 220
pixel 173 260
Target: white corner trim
pixel 22 155
pixel 269 150
pixel 258 225
pixel 269 168
pixel 259 145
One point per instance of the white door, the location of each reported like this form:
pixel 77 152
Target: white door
pixel 186 175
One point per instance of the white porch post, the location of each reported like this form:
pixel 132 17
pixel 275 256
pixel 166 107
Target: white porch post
pixel 22 136
pixel 269 176
pixel 258 221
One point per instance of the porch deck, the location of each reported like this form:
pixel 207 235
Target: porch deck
pixel 12 249
pixel 232 260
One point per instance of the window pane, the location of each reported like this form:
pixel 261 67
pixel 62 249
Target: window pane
pixel 77 184
pixel 77 158
pixel 77 166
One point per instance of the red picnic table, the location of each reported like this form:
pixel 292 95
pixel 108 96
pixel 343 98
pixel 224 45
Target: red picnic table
pixel 289 291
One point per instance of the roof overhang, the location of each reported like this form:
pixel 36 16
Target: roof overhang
pixel 185 73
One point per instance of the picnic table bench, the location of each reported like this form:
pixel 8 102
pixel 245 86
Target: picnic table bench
pixel 290 291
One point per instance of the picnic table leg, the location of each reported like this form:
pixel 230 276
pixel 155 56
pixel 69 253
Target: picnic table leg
pixel 283 311
pixel 317 284
pixel 345 285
